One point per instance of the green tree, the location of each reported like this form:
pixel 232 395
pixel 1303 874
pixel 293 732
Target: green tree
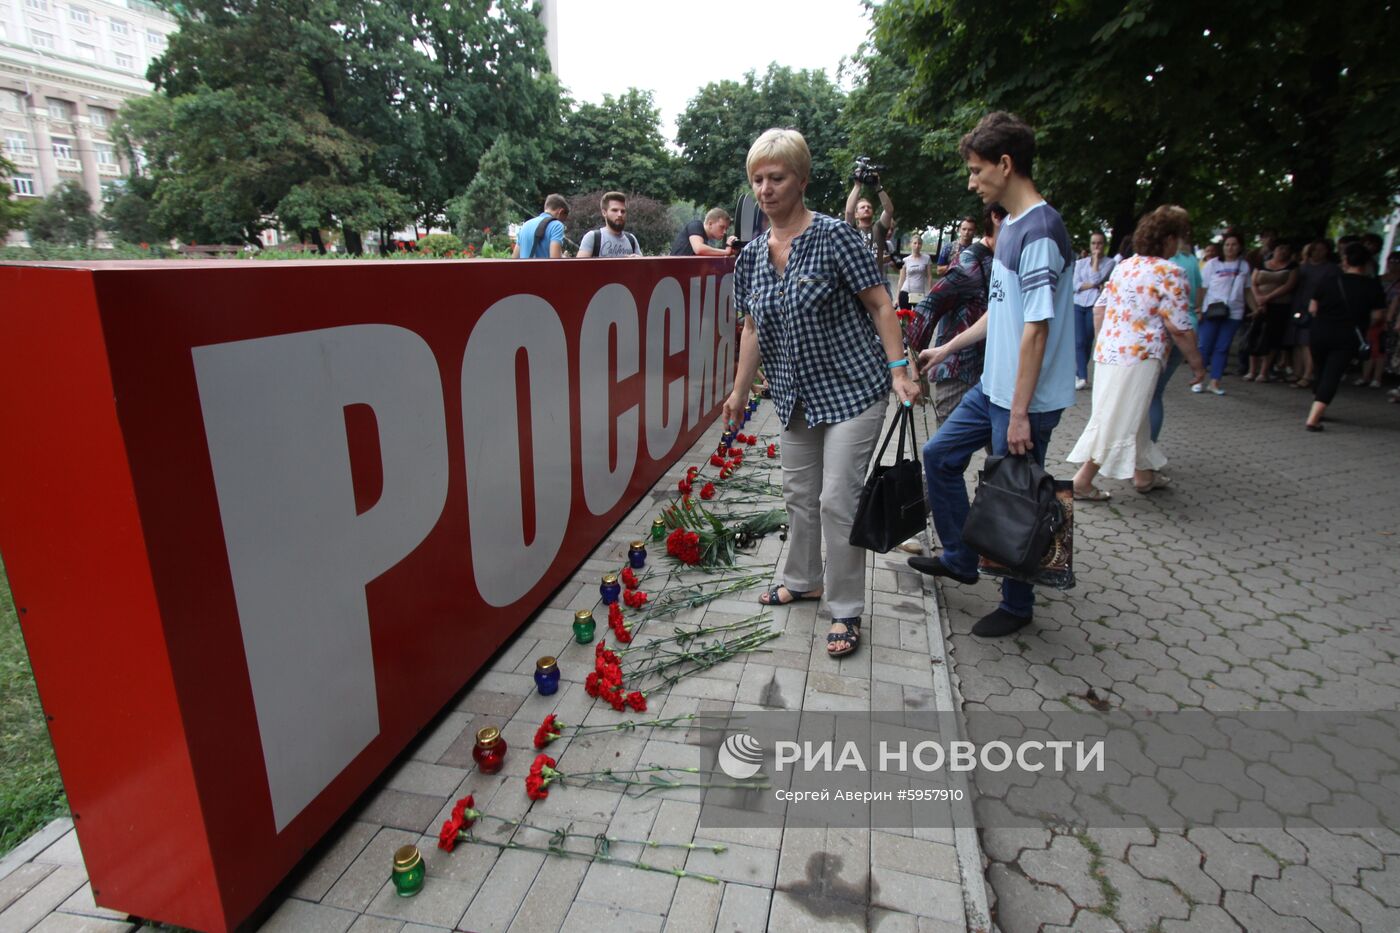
pixel 485 205
pixel 1252 114
pixel 127 213
pixel 338 111
pixel 617 145
pixel 721 122
pixel 65 216
pixel 12 213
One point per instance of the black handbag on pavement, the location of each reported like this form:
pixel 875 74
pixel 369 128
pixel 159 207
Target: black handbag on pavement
pixel 1014 515
pixel 892 506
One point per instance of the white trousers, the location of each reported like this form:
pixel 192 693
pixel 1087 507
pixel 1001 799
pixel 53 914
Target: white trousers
pixel 823 473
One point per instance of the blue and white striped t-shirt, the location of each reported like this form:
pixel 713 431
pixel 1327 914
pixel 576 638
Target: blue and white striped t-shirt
pixel 1032 280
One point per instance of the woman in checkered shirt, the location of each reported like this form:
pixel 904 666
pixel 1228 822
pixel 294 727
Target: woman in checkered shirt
pixel 816 313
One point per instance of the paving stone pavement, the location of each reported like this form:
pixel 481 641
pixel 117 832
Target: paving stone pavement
pixel 926 880
pixel 1264 578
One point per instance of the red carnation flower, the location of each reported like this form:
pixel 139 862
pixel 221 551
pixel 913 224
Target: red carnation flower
pixel 750 440
pixel 614 613
pixel 447 837
pixel 735 452
pixel 707 491
pixel 691 471
pixel 635 599
pixel 629 579
pixel 772 451
pixel 716 460
pixel 459 810
pixel 535 787
pixel 592 684
pixel 637 701
pixel 684 487
pixel 548 731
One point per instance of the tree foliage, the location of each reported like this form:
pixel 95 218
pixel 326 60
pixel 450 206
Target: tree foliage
pixel 1257 114
pixel 127 213
pixel 12 213
pixel 336 111
pixel 485 205
pixel 616 145
pixel 64 217
pixel 721 122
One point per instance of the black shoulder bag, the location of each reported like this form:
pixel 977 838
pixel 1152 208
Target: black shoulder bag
pixel 892 506
pixel 1014 515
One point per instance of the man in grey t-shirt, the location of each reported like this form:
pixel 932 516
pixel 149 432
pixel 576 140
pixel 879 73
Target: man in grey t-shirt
pixel 615 240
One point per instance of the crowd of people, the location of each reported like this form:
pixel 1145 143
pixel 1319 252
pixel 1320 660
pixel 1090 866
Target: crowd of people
pixel 544 236
pixel 1005 324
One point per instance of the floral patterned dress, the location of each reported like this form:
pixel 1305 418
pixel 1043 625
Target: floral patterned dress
pixel 1143 294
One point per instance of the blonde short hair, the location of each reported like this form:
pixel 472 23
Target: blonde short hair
pixel 786 147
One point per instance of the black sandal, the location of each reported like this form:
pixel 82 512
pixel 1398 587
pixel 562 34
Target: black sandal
pixel 851 636
pixel 771 598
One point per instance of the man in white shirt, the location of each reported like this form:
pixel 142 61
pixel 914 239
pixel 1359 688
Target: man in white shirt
pixel 1028 375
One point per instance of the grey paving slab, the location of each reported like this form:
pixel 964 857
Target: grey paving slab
pixel 1241 587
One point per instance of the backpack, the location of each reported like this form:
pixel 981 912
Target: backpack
pixel 541 231
pixel 598 242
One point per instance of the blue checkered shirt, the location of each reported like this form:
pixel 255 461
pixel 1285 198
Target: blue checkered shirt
pixel 817 342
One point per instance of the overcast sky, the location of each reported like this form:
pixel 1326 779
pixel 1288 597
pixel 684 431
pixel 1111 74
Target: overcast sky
pixel 673 49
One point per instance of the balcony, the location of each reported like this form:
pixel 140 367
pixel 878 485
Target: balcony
pixel 68 165
pixel 21 158
pixel 109 168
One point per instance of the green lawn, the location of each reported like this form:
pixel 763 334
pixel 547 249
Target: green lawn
pixel 30 791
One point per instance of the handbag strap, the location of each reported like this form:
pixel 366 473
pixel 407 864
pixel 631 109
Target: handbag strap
pixel 903 422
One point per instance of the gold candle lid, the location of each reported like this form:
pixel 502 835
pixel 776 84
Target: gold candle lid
pixel 658 523
pixel 488 736
pixel 545 663
pixel 639 546
pixel 583 615
pixel 609 578
pixel 406 858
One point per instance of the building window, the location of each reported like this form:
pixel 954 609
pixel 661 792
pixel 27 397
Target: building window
pixel 105 155
pixel 85 51
pixel 123 61
pixel 62 147
pixel 40 40
pixel 59 110
pixel 16 144
pixel 98 116
pixel 40 6
pixel 118 27
pixel 154 39
pixel 79 15
pixel 22 184
pixel 12 101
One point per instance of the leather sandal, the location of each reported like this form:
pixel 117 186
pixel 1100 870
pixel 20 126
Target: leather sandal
pixel 772 598
pixel 851 637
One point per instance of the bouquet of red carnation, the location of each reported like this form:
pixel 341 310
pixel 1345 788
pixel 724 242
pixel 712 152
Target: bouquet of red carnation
pixel 618 624
pixel 684 546
pixel 463 816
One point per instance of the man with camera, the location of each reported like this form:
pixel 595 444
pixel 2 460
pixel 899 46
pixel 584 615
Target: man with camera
pixel 860 213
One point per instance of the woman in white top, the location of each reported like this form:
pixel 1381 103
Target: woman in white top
pixel 913 275
pixel 1222 307
pixel 1089 275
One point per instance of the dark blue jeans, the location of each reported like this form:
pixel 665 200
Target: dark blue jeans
pixel 971 425
pixel 1155 413
pixel 1083 339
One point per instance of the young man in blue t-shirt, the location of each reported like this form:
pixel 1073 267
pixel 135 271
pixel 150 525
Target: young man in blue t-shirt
pixel 533 243
pixel 1028 376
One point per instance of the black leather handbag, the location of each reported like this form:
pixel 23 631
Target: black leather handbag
pixel 892 506
pixel 1014 515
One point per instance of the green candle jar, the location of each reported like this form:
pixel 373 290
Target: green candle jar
pixel 658 530
pixel 584 626
pixel 408 871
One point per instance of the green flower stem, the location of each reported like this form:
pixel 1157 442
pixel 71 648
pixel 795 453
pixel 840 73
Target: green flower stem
pixel 713 653
pixel 630 725
pixel 685 635
pixel 594 857
pixel 600 838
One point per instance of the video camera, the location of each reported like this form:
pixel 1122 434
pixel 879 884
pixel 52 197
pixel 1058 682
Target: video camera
pixel 749 220
pixel 866 172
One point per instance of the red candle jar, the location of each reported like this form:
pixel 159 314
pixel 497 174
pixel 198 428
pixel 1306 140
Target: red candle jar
pixel 490 750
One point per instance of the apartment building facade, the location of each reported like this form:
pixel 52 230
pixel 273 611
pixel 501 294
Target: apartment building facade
pixel 66 67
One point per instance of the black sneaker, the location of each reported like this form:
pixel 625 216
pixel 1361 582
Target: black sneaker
pixel 999 624
pixel 934 567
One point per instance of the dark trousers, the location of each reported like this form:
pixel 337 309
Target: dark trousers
pixel 1333 348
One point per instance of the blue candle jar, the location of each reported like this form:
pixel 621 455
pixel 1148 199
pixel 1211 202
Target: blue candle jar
pixel 547 675
pixel 610 589
pixel 637 555
pixel 726 441
pixel 753 404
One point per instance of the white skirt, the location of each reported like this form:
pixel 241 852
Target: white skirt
pixel 1118 436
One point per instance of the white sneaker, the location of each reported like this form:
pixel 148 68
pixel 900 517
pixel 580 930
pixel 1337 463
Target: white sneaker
pixel 1197 388
pixel 1081 383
